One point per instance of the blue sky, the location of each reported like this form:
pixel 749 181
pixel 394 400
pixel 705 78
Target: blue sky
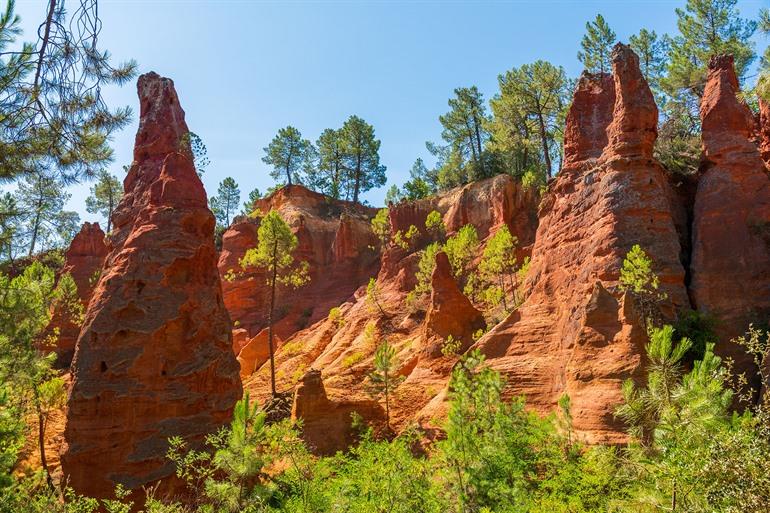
pixel 244 69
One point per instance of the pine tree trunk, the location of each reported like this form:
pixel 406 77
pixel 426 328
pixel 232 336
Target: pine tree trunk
pixel 358 178
pixel 544 139
pixel 41 438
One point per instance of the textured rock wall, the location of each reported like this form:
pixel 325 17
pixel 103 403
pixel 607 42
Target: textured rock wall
pixel 154 358
pixel 731 217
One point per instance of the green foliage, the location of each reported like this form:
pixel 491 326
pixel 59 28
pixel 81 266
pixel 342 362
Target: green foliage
pixel 289 155
pixel 463 158
pixel 30 388
pixel 406 240
pixel 53 118
pixel 699 328
pixel 434 223
pixel 597 46
pixel 707 28
pixel 227 476
pixel 381 226
pixel 498 268
pixel 105 195
pixel 373 297
pixel 335 316
pixel 225 204
pixel 652 52
pixel 529 113
pixel 42 223
pixel 383 378
pixel 329 175
pixel 422 183
pixel 638 278
pixel 425 268
pixel 274 252
pixel 275 255
pixel 192 146
pixel 248 205
pixel 393 195
pixel 460 249
pixel 451 346
pixel 363 170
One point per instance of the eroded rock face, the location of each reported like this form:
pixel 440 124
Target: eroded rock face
pixel 576 333
pixel 83 261
pixel 334 237
pixel 327 425
pixel 154 358
pixel 585 132
pixel 731 219
pixel 344 345
pixel 450 313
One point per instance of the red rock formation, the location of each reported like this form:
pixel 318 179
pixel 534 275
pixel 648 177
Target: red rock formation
pixel 585 133
pixel 576 333
pixel 255 352
pixel 334 237
pixel 450 313
pixel 154 358
pixel 344 346
pixel 83 261
pixel 327 424
pixel 731 219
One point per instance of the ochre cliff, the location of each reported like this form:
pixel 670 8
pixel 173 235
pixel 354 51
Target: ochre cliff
pixel 576 333
pixel 731 216
pixel 154 357
pixel 342 346
pixel 83 261
pixel 334 238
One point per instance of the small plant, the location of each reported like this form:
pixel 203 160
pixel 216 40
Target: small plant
pixel 460 249
pixel 425 268
pixel 451 346
pixel 335 317
pixel 230 276
pixel 406 240
pixel 373 297
pixel 352 359
pixel 434 223
pixel 637 278
pixel 381 226
pixel 292 348
pixel 383 378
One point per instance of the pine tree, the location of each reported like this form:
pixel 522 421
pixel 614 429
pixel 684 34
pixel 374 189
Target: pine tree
pixel 707 28
pixel 422 183
pixel 538 93
pixel 29 383
pixel 53 114
pixel 361 157
pixel 597 46
pixel 383 378
pixel 498 262
pixel 289 154
pixel 653 55
pixel 105 195
pixel 44 224
pixel 463 158
pixel 193 146
pixel 248 205
pixel 329 176
pixel 225 204
pixel 274 254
